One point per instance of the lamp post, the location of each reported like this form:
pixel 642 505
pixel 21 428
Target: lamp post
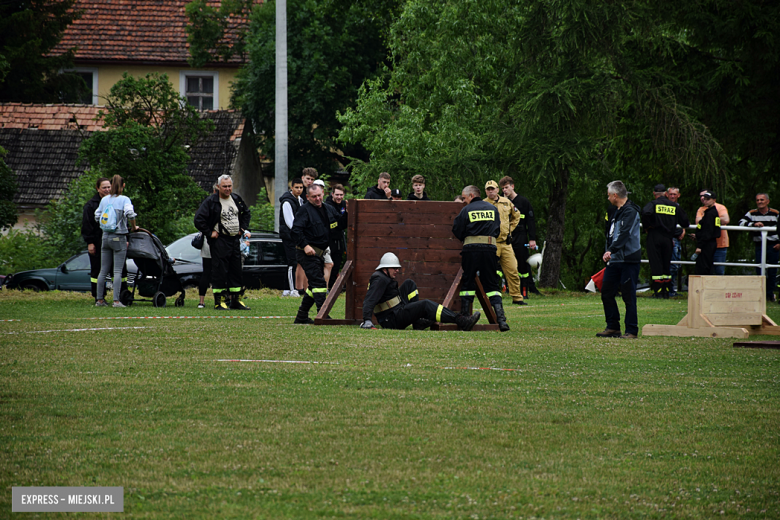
pixel 280 148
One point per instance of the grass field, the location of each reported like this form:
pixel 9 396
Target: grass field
pixel 385 424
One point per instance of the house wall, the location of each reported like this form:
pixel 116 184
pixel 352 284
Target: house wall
pixel 109 75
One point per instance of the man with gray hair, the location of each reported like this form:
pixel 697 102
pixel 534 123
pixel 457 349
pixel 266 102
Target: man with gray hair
pixel 764 216
pixel 222 218
pixel 623 256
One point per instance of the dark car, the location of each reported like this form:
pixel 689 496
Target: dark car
pixel 265 266
pixel 71 275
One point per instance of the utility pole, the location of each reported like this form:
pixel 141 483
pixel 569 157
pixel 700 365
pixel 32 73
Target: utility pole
pixel 280 148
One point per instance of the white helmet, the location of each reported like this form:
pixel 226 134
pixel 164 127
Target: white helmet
pixel 535 260
pixel 388 260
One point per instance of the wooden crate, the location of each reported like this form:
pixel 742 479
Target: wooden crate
pixel 722 307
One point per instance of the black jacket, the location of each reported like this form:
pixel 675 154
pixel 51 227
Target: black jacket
pixel 309 228
pixel 411 196
pixel 210 212
pixel 338 242
pixel 526 228
pixel 380 289
pixel 375 193
pixel 90 229
pixel 708 228
pixel 479 218
pixel 623 240
pixel 662 216
pixel 284 231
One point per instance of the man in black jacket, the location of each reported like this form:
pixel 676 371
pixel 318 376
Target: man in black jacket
pixel 382 189
pixel 660 218
pixel 397 308
pixel 222 218
pixel 707 234
pixel 93 235
pixel 418 189
pixel 523 236
pixel 338 242
pixel 478 226
pixel 290 201
pixel 314 223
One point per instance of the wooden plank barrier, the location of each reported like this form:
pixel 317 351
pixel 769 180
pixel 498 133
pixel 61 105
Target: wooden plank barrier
pixel 722 307
pixel 420 234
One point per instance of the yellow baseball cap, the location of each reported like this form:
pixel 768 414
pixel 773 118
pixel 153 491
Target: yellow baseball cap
pixel 491 184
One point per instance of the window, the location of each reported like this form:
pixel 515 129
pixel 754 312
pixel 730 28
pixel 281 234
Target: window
pixel 201 89
pixel 87 95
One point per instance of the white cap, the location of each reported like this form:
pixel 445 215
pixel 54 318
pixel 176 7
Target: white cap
pixel 318 182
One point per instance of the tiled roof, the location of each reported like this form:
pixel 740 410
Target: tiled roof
pixel 148 31
pixel 43 141
pixel 49 117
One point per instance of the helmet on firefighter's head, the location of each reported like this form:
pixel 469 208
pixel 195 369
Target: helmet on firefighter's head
pixel 535 260
pixel 388 260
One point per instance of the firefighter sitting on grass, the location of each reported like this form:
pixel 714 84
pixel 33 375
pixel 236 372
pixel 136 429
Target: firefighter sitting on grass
pixel 398 307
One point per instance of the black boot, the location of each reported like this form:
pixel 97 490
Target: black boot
pixel 237 304
pixel 532 286
pixel 466 323
pixel 465 305
pixel 498 306
pixel 302 318
pixel 219 303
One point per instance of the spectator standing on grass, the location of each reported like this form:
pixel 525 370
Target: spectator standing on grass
pixel 623 257
pixel 338 242
pixel 707 233
pixel 290 201
pixel 114 242
pixel 673 194
pixel 418 189
pixel 523 236
pixel 91 232
pixel 764 216
pixel 382 189
pixel 660 218
pixel 205 259
pixel 222 218
pixel 722 242
pixel 478 226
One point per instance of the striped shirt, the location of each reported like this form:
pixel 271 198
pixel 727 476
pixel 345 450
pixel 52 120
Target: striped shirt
pixel 770 219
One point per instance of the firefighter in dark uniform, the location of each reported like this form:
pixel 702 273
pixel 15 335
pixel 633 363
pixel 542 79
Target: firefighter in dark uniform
pixel 222 218
pixel 660 218
pixel 93 235
pixel 397 308
pixel 523 236
pixel 314 223
pixel 478 226
pixel 707 234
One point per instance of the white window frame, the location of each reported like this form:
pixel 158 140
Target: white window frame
pixel 183 83
pixel 94 72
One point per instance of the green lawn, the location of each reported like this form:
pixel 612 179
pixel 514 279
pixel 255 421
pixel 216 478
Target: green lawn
pixel 386 424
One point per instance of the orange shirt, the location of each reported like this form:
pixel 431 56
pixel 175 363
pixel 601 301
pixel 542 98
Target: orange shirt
pixel 723 213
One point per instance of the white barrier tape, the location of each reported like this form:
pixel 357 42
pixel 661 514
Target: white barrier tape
pixel 185 317
pixel 276 361
pixel 482 368
pixel 73 330
pixel 10 320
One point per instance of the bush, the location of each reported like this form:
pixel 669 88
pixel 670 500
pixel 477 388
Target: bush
pixel 262 213
pixel 22 250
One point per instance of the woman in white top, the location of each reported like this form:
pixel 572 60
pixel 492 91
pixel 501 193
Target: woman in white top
pixel 115 238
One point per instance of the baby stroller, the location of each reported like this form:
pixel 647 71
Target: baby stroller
pixel 156 278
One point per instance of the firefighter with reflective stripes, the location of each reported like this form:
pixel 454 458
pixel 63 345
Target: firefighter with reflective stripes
pixel 398 307
pixel 478 226
pixel 707 234
pixel 313 225
pixel 660 218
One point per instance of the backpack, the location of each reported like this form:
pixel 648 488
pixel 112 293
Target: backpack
pixel 108 218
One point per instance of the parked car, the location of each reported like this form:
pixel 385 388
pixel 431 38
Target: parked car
pixel 71 275
pixel 265 266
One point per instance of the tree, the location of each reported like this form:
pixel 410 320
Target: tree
pixel 333 46
pixel 149 128
pixel 8 189
pixel 214 33
pixel 549 92
pixel 29 30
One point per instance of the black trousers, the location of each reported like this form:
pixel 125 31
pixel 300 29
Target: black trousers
pixel 205 278
pixel 338 262
pixel 482 263
pixel 226 273
pixel 706 259
pixel 94 270
pixel 412 309
pixel 659 253
pixel 314 267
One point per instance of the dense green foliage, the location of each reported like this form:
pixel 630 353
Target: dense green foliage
pixel 567 96
pixel 149 129
pixel 209 28
pixel 8 188
pixel 262 213
pixel 333 46
pixel 29 30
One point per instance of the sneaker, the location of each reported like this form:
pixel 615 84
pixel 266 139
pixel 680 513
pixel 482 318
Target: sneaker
pixel 521 302
pixel 628 336
pixel 101 303
pixel 201 306
pixel 286 292
pixel 608 333
pixel 307 321
pixel 119 304
pixel 294 294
